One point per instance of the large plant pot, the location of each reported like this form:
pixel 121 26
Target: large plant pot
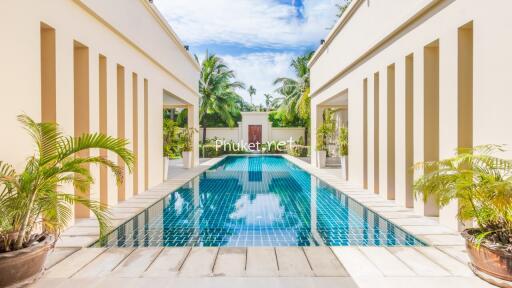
pixel 21 267
pixel 344 167
pixel 187 159
pixel 321 158
pixel 491 263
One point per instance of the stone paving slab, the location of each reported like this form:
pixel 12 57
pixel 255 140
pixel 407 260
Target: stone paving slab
pixel 261 261
pixel 230 262
pixel 168 263
pixel 292 261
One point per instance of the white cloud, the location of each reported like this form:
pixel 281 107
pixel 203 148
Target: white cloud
pixel 260 70
pixel 252 23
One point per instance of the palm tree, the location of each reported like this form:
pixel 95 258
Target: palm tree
pixel 342 7
pixel 268 101
pixel 34 198
pixel 252 92
pixel 218 91
pixel 295 101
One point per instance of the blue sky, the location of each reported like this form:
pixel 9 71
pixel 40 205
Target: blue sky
pixel 256 38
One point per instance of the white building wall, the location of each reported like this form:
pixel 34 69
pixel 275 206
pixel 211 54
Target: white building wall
pixel 347 59
pixel 284 134
pixel 228 134
pixel 137 39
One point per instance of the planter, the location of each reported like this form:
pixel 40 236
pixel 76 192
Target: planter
pixel 166 167
pixel 344 167
pixel 187 159
pixel 21 267
pixel 491 263
pixel 321 157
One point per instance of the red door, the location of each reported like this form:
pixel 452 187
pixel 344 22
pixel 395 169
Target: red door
pixel 254 134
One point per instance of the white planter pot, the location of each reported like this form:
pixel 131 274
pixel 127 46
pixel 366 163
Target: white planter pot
pixel 344 167
pixel 187 159
pixel 321 157
pixel 166 168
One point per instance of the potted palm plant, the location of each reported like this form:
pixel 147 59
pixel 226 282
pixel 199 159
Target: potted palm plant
pixel 321 147
pixel 481 182
pixel 34 206
pixel 343 144
pixel 187 139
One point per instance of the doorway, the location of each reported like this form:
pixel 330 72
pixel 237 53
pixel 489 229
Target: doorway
pixel 255 134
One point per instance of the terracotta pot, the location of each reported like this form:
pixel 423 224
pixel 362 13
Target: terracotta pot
pixel 493 261
pixel 21 267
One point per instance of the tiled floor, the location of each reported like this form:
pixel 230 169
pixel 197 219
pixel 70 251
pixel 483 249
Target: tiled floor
pixel 443 264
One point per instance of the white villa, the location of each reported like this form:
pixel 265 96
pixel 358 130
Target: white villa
pixel 420 78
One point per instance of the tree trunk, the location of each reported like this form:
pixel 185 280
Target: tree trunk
pixel 204 133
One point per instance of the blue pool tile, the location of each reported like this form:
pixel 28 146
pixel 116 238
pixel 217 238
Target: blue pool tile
pixel 257 201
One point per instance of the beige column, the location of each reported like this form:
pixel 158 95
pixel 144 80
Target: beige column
pixel 65 90
pixel 121 128
pixel 135 132
pixel 365 133
pixel 81 110
pixel 112 126
pixel 94 121
pixel 103 127
pixel 390 141
pixel 448 113
pixel 376 133
pixel 48 75
pixel 400 110
pixel 409 131
pixel 146 135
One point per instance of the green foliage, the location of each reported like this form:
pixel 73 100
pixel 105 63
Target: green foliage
pixel 295 100
pixel 34 198
pixel 186 136
pixel 325 131
pixel 219 100
pixel 172 141
pixel 252 92
pixel 268 101
pixel 343 141
pixel 482 184
pixel 342 7
pixel 299 150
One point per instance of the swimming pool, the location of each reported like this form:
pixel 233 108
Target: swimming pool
pixel 246 201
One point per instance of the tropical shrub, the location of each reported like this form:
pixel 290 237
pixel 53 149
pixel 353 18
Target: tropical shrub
pixel 482 184
pixel 172 141
pixel 33 202
pixel 298 150
pixel 343 141
pixel 186 137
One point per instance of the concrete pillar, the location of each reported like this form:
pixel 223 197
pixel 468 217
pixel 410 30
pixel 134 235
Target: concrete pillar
pixel 448 114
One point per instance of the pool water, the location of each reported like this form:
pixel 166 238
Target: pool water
pixel 246 201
